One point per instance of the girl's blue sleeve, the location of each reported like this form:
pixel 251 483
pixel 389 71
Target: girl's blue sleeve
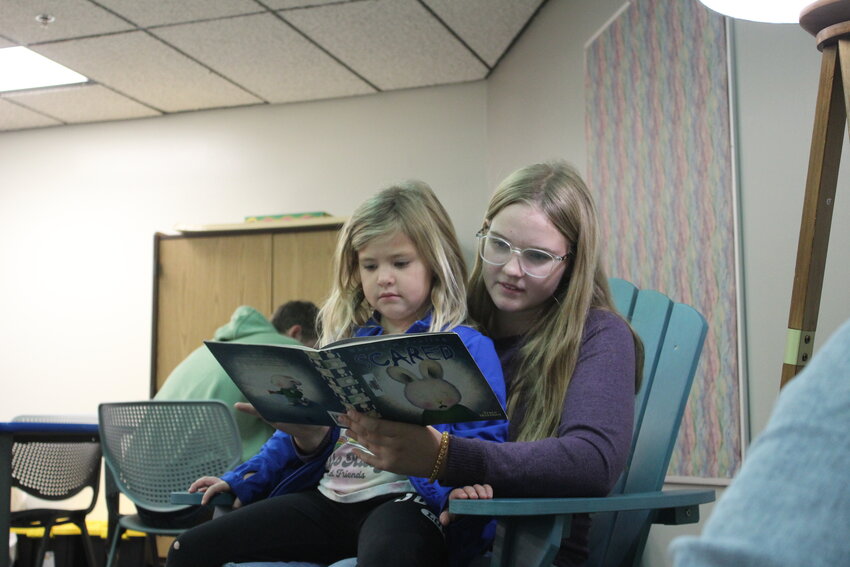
pixel 484 353
pixel 276 459
pixel 482 350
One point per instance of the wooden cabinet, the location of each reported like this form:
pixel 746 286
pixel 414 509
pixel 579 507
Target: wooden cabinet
pixel 202 274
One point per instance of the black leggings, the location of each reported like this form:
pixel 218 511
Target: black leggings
pixel 394 530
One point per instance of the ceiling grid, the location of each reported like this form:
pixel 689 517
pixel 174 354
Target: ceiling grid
pixel 148 58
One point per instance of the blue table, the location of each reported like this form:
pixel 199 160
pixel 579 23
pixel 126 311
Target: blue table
pixel 10 432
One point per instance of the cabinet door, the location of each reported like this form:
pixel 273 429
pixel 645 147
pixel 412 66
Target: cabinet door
pixel 303 265
pixel 200 282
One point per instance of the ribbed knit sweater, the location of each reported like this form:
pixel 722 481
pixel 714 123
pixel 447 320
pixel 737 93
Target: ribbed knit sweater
pixel 594 436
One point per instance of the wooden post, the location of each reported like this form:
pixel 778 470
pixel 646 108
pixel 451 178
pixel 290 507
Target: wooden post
pixel 829 21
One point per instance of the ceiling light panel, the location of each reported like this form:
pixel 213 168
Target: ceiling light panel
pixel 21 68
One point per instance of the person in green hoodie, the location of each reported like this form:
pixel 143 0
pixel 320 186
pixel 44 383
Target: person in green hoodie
pixel 200 377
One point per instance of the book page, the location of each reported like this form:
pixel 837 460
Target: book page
pixel 282 383
pixel 423 378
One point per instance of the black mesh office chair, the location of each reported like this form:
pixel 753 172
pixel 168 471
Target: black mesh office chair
pixel 56 471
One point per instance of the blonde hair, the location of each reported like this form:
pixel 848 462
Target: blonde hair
pixel 551 346
pixel 410 208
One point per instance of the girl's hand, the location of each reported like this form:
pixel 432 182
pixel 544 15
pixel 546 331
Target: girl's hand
pixel 308 437
pixel 474 492
pixel 210 486
pixel 402 448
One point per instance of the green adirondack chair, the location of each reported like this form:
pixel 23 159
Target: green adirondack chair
pixel 530 529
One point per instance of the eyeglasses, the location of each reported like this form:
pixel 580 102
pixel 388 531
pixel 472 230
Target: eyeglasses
pixel 534 262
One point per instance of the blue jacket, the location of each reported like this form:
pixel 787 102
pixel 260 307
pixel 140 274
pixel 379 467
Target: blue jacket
pixel 279 469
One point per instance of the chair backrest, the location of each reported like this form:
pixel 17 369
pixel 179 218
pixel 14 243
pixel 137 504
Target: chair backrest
pixel 673 335
pixel 154 448
pixel 56 470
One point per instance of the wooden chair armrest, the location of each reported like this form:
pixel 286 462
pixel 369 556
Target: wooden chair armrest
pixel 194 498
pixel 673 505
pixel 530 529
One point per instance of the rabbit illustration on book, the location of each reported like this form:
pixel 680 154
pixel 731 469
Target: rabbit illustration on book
pixel 438 399
pixel 290 388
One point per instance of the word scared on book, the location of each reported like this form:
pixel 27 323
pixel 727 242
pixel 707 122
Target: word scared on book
pixel 411 355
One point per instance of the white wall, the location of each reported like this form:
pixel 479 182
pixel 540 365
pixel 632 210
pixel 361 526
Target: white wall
pixel 79 206
pixel 536 106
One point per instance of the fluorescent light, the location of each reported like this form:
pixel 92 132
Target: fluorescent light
pixel 771 11
pixel 21 68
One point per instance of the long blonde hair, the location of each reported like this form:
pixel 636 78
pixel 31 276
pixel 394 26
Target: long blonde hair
pixel 412 209
pixel 551 346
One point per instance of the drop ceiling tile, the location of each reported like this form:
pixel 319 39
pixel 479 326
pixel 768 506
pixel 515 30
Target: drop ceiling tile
pixel 288 4
pixel 84 103
pixel 16 117
pixel 487 26
pixel 267 57
pixel 145 13
pixel 143 68
pixel 351 47
pixel 73 18
pixel 394 44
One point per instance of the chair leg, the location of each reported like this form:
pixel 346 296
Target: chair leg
pixel 88 547
pixel 153 550
pixel 113 547
pixel 42 546
pixel 528 540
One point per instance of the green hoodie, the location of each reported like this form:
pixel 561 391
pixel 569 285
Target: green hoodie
pixel 201 377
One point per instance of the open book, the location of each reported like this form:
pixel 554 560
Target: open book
pixel 423 378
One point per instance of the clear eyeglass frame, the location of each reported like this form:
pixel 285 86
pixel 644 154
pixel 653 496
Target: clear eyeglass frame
pixel 549 266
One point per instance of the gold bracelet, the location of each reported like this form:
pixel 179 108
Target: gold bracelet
pixel 441 456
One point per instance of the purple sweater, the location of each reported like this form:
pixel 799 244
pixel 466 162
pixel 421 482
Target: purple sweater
pixel 594 436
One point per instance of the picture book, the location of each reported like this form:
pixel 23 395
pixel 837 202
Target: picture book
pixel 423 378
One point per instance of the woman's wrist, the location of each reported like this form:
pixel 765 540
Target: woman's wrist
pixel 440 461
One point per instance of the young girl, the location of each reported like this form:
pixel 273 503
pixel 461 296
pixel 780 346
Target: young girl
pixel 571 363
pixel 398 270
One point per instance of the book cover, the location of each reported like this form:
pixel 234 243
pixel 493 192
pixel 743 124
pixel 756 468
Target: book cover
pixel 423 378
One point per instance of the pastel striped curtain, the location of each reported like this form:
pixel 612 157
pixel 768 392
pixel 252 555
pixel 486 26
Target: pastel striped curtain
pixel 660 164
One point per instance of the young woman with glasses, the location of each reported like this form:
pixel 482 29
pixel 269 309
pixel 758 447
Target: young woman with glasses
pixel 572 365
